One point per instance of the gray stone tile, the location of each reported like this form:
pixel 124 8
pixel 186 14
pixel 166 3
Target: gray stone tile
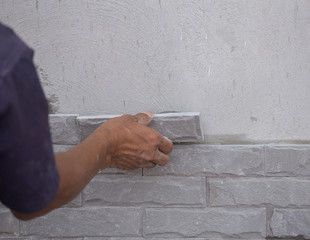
pixel 64 238
pixel 290 160
pixel 64 129
pixel 90 221
pixel 283 192
pixel 209 223
pixel 15 238
pixel 142 238
pixel 8 224
pixel 62 148
pixel 179 127
pixel 291 223
pixel 213 160
pixel 146 191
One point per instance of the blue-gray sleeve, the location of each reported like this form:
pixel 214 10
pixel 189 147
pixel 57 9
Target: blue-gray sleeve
pixel 28 175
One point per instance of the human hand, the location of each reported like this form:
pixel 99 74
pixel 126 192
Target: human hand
pixel 131 144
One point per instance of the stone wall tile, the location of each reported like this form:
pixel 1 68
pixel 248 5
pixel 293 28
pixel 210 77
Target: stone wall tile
pixel 291 223
pixel 163 191
pixel 290 160
pixel 90 221
pixel 213 160
pixel 210 223
pixel 64 129
pixel 283 192
pixel 179 127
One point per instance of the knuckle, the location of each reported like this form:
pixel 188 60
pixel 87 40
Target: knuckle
pixel 155 138
pixel 126 116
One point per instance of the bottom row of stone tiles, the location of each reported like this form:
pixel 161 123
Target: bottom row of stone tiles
pixel 209 223
pixel 115 238
pixel 164 222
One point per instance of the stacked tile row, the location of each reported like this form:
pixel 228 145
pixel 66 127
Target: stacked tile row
pixel 205 192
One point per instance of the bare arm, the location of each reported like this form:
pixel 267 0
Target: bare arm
pixel 125 143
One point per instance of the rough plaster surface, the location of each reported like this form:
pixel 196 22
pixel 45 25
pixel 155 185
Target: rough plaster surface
pixel 243 64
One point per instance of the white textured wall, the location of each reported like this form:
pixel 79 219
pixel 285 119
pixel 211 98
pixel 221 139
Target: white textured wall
pixel 245 65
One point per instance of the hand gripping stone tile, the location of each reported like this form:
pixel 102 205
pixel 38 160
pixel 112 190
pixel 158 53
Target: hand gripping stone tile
pixel 179 127
pixel 64 129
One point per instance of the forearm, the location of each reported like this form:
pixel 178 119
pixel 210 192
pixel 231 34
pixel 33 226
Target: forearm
pixel 124 142
pixel 76 168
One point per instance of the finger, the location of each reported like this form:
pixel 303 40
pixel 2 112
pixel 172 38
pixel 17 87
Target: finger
pixel 144 118
pixel 165 144
pixel 150 165
pixel 160 158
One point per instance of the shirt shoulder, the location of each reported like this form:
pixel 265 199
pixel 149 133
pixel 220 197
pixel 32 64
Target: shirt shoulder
pixel 11 49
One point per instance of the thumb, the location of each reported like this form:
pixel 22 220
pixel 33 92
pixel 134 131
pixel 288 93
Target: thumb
pixel 144 118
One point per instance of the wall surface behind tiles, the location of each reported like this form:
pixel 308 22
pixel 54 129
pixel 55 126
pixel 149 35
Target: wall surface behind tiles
pixel 243 64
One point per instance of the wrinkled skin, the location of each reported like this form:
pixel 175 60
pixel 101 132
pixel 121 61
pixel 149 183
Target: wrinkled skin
pixel 133 144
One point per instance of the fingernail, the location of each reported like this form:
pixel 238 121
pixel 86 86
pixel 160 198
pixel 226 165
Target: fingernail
pixel 149 113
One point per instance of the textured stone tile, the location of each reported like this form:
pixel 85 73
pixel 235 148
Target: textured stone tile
pixel 213 160
pixel 282 192
pixel 93 221
pixel 8 223
pixel 64 129
pixel 179 127
pixel 290 160
pixel 291 223
pixel 141 238
pixel 62 148
pixel 64 238
pixel 15 238
pixel 106 238
pixel 210 223
pixel 164 191
pixel 160 238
